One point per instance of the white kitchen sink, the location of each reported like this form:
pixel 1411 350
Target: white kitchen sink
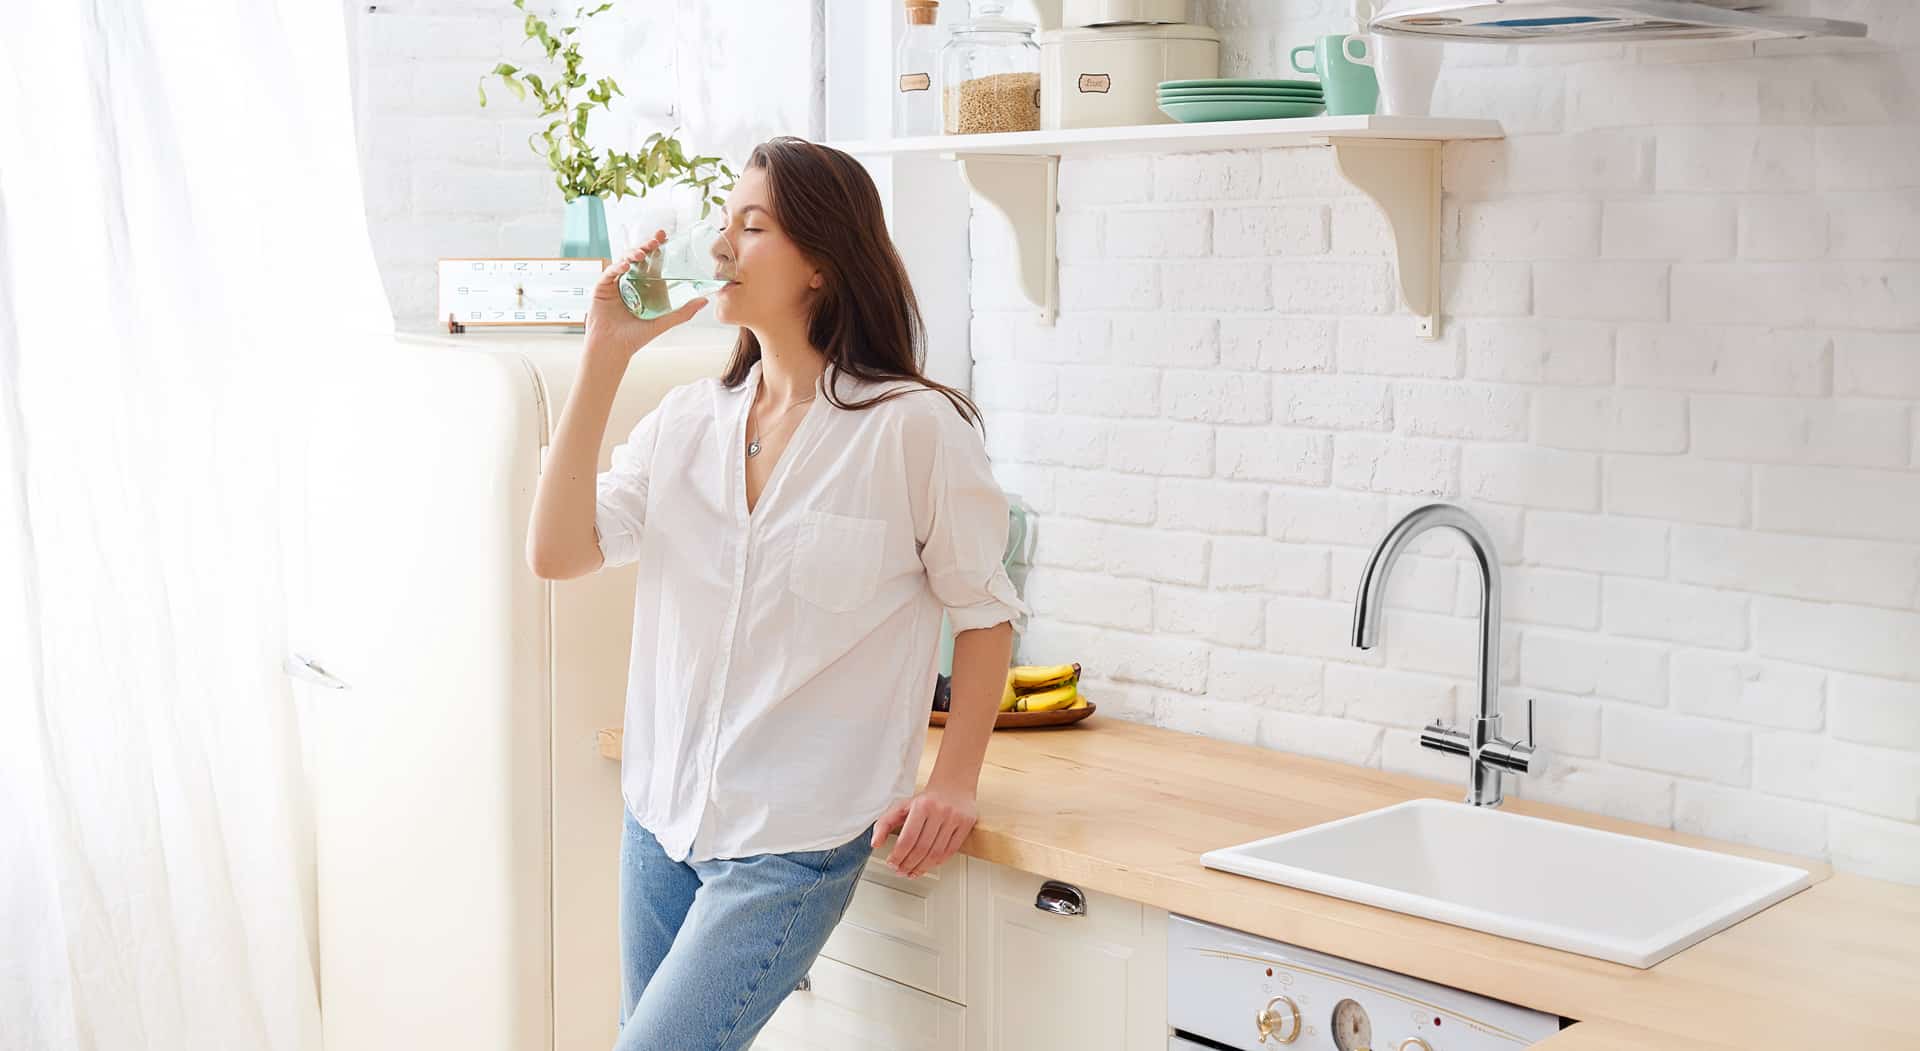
pixel 1621 898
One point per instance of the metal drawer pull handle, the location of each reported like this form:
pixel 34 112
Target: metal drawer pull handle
pixel 806 983
pixel 1061 899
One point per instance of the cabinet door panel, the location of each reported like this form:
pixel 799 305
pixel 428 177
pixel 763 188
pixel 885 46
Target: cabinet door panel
pixel 1039 981
pixel 848 1009
pixel 910 930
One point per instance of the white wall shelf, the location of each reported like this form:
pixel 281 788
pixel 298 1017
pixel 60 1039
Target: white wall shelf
pixel 1393 160
pixel 1182 138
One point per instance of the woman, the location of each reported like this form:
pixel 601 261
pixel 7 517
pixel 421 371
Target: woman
pixel 799 524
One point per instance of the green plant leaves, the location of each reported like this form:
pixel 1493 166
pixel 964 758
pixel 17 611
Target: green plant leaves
pixel 506 74
pixel 577 167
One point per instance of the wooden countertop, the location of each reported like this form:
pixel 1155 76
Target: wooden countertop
pixel 1128 809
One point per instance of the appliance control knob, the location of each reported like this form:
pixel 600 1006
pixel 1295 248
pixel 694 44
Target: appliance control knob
pixel 1414 1043
pixel 1279 1021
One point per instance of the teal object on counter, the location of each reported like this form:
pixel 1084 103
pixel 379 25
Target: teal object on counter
pixel 1016 542
pixel 585 234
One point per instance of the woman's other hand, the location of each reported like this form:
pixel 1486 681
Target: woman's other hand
pixel 932 826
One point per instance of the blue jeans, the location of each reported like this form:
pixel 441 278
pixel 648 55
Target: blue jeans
pixel 709 949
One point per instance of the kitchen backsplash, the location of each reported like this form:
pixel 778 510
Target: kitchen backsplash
pixel 1679 382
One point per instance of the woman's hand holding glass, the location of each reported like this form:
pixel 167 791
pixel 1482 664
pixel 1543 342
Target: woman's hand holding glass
pixel 613 326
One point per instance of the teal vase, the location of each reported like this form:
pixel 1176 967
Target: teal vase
pixel 585 234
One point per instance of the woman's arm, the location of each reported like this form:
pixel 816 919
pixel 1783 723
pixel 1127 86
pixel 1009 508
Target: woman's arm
pixel 561 543
pixel 938 818
pixel 961 521
pixel 980 660
pixel 560 538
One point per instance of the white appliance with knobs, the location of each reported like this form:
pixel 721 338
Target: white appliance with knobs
pixel 1227 989
pixel 468 827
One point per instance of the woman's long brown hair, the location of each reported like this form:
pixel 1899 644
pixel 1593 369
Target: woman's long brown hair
pixel 865 318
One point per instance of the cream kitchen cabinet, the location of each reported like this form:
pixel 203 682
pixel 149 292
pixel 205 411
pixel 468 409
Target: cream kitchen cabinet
pixel 1093 976
pixel 912 931
pixel 843 1008
pixel 965 957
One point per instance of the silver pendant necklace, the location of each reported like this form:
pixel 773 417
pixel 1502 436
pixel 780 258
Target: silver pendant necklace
pixel 753 444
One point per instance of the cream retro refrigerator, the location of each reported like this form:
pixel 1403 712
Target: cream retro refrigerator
pixel 468 828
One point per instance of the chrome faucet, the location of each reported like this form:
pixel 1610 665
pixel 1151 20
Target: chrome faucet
pixel 1487 752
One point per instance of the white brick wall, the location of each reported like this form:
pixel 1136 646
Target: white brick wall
pixel 444 177
pixel 1680 381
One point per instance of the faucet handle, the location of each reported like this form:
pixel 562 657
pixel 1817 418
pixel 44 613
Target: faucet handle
pixel 1536 759
pixel 1443 738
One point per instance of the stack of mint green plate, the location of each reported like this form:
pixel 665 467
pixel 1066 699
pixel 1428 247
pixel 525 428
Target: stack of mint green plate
pixel 1199 101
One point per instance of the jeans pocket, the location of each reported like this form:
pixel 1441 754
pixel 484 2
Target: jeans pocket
pixel 851 854
pixel 817 860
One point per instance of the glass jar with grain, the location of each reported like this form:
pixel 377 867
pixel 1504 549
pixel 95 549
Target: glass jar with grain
pixel 990 74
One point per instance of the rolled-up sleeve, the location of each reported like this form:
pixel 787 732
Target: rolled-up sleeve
pixel 960 518
pixel 620 493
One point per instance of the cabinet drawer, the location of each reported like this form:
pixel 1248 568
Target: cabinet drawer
pixel 848 1009
pixel 1107 918
pixel 910 930
pixel 1041 981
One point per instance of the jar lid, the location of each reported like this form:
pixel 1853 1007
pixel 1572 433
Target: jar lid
pixel 990 20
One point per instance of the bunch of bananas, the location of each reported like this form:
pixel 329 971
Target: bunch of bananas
pixel 1031 688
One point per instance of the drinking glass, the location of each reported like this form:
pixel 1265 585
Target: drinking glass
pixel 693 263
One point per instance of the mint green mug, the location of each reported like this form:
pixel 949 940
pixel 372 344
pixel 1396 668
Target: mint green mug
pixel 1342 61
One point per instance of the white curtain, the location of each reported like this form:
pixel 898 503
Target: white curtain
pixel 180 227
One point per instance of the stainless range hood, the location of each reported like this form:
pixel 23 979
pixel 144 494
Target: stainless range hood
pixel 1589 21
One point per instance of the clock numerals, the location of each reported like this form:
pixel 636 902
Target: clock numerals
pixel 510 292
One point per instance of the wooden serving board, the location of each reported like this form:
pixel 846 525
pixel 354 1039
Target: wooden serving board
pixel 1027 720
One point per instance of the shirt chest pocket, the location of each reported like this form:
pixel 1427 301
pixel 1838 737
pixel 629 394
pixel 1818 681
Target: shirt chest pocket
pixel 836 560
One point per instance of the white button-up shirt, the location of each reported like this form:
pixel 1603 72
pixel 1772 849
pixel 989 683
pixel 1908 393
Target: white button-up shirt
pixel 784 660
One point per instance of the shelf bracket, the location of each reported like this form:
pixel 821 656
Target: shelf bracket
pixel 1025 190
pixel 1402 176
